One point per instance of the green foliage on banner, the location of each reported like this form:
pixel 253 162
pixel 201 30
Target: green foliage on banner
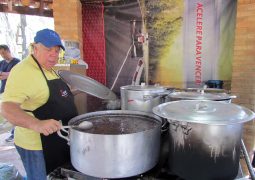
pixel 164 20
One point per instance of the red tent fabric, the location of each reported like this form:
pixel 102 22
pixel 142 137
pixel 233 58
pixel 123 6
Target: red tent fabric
pixel 94 41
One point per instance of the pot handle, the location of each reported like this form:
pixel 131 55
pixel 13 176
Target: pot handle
pixel 149 97
pixel 155 95
pixel 233 96
pixel 63 128
pixel 62 136
pixel 186 128
pixel 164 126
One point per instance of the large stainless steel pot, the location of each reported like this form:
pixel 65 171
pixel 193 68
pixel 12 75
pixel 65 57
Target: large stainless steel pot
pixel 206 90
pixel 204 138
pixel 142 97
pixel 199 95
pixel 120 144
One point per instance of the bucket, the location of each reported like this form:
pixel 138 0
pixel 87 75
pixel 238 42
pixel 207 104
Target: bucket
pixel 218 84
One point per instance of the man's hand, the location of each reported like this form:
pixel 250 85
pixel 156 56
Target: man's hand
pixel 46 127
pixel 4 75
pixel 17 116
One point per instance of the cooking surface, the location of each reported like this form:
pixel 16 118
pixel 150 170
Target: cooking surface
pixel 67 171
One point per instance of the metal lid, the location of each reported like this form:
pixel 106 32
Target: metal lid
pixel 144 88
pixel 87 85
pixel 204 112
pixel 200 96
pixel 206 90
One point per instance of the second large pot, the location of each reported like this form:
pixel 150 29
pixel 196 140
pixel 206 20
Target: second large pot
pixel 120 144
pixel 204 137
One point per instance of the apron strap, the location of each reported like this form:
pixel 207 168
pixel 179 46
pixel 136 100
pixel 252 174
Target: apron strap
pixel 27 110
pixel 42 69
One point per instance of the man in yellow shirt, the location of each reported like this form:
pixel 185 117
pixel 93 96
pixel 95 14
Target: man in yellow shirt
pixel 35 99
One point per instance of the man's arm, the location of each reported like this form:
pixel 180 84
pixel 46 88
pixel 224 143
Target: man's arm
pixel 15 115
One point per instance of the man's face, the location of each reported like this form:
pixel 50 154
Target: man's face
pixel 4 53
pixel 47 57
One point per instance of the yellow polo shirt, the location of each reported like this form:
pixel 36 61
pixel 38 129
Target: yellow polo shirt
pixel 26 85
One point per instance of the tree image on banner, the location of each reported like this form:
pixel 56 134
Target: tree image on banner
pixel 190 42
pixel 164 25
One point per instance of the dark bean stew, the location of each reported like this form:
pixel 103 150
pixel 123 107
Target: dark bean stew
pixel 113 125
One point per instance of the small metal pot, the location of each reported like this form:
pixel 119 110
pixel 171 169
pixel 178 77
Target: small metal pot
pixel 204 137
pixel 120 144
pixel 142 97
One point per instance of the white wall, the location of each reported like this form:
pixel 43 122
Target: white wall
pixel 10 32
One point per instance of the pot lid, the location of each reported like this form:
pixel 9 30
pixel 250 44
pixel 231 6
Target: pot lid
pixel 206 90
pixel 200 96
pixel 144 88
pixel 204 112
pixel 87 85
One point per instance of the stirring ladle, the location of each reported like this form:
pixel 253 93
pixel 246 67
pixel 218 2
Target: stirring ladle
pixel 83 125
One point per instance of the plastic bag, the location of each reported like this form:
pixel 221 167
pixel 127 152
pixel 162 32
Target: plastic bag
pixel 9 172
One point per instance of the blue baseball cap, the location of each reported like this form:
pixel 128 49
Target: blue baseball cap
pixel 48 38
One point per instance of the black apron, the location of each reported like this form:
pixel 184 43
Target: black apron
pixel 60 106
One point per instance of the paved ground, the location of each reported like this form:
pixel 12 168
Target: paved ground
pixel 8 153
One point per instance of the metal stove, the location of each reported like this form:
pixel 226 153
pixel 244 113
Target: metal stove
pixel 67 172
pixel 159 172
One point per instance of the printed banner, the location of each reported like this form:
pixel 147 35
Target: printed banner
pixel 180 43
pixel 192 41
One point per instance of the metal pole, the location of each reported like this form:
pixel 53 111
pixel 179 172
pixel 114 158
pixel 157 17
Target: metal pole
pixel 247 160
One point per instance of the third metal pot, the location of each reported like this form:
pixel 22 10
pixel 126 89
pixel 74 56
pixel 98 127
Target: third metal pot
pixel 204 137
pixel 200 95
pixel 142 97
